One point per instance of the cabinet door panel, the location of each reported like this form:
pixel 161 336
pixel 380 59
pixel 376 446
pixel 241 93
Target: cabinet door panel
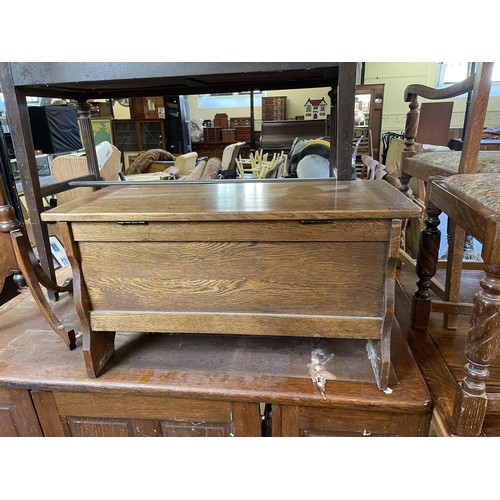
pixel 152 135
pixel 139 135
pixel 307 422
pixel 7 425
pixel 119 427
pixel 109 415
pixel 194 429
pixel 98 427
pixel 125 136
pixel 17 414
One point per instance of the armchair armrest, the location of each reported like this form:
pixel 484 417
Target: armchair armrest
pixel 444 93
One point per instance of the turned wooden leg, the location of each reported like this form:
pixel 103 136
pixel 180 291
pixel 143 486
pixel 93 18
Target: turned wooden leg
pixel 98 348
pixel 481 347
pixel 7 262
pixel 8 223
pixel 19 245
pixel 405 184
pixel 426 266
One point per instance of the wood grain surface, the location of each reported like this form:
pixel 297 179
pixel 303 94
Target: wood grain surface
pixel 233 200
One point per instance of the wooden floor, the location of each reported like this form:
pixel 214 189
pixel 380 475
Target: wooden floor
pixel 440 353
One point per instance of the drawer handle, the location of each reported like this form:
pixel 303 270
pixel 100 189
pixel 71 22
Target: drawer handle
pixel 316 221
pixel 132 223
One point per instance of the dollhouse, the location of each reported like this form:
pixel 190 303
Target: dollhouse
pixel 315 109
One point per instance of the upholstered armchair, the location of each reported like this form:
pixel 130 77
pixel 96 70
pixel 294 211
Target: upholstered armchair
pixel 67 167
pixel 423 165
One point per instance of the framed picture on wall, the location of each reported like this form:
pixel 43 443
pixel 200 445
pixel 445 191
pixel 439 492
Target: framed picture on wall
pixel 102 130
pixel 128 158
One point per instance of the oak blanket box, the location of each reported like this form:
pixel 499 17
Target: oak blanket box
pixel 278 258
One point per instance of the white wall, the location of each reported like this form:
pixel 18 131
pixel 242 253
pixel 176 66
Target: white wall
pixel 398 75
pixel 395 75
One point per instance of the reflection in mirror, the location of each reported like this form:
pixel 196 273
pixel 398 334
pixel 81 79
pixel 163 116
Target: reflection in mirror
pixel 362 109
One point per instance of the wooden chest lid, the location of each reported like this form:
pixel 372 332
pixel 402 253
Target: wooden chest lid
pixel 239 200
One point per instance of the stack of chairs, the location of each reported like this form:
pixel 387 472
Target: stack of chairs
pixel 259 166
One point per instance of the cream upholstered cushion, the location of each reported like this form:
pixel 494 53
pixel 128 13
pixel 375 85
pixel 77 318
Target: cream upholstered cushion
pixel 228 153
pixel 186 162
pixel 393 158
